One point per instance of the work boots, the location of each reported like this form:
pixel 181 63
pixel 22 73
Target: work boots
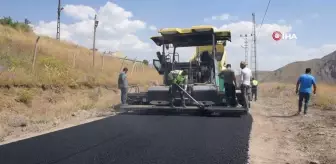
pixel 172 103
pixel 183 104
pixel 173 106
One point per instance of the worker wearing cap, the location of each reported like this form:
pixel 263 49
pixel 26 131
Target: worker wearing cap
pixel 245 83
pixel 254 89
pixel 177 78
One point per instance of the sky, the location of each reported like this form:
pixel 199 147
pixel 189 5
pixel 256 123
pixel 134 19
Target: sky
pixel 127 25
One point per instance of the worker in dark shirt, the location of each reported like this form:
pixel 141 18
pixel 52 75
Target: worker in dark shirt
pixel 123 85
pixel 230 84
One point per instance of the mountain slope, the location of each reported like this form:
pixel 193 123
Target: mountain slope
pixel 324 70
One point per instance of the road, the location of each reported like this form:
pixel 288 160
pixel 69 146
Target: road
pixel 139 139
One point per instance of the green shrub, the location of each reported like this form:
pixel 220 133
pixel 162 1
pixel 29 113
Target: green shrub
pixel 8 21
pixel 25 96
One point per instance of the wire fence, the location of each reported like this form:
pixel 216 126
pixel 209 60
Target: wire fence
pixel 136 65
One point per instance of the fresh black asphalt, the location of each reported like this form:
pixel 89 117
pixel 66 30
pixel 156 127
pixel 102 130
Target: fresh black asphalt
pixel 139 139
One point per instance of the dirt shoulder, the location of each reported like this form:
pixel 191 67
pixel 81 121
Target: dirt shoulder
pixel 27 112
pixel 278 136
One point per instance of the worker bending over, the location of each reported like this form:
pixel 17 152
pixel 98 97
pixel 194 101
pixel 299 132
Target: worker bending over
pixel 254 88
pixel 177 78
pixel 245 85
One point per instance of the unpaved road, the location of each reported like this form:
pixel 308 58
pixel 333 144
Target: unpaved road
pixel 280 136
pixel 276 137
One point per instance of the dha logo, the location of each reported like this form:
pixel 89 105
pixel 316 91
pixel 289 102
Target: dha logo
pixel 277 35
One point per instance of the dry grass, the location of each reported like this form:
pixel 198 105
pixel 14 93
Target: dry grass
pixel 54 65
pixel 49 108
pixel 57 91
pixel 324 99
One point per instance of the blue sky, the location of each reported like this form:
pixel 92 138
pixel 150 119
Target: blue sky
pixel 163 13
pixel 312 32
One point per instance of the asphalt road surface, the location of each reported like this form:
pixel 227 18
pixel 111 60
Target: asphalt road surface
pixel 139 139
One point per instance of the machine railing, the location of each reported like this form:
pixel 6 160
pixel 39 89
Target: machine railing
pixel 134 88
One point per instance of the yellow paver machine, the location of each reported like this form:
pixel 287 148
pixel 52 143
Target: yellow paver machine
pixel 203 69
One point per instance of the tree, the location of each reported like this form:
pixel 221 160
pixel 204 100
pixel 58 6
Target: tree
pixel 7 21
pixel 145 62
pixel 26 21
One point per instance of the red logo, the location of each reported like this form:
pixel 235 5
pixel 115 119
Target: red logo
pixel 276 35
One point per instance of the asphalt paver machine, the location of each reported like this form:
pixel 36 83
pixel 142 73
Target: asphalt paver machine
pixel 203 93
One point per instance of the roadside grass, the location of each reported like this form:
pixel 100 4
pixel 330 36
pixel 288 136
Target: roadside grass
pixel 325 98
pixel 59 63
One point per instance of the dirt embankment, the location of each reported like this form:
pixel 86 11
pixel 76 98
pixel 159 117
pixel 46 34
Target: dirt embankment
pixel 278 136
pixel 34 110
pixel 61 85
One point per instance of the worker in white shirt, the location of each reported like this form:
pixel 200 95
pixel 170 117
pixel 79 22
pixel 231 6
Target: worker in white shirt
pixel 245 83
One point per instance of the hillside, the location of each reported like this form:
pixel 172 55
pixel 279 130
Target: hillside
pixel 62 87
pixel 261 75
pixel 324 69
pixel 57 63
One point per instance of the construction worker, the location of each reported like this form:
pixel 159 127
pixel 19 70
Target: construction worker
pixel 305 82
pixel 254 88
pixel 177 79
pixel 123 85
pixel 245 83
pixel 230 83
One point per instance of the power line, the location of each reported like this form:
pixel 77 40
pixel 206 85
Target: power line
pixel 262 22
pixel 254 45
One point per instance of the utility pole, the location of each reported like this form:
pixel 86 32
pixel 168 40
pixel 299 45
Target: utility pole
pixel 254 47
pixel 59 9
pixel 245 46
pixel 95 24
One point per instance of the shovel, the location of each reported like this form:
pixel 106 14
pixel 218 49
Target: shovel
pixel 200 105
